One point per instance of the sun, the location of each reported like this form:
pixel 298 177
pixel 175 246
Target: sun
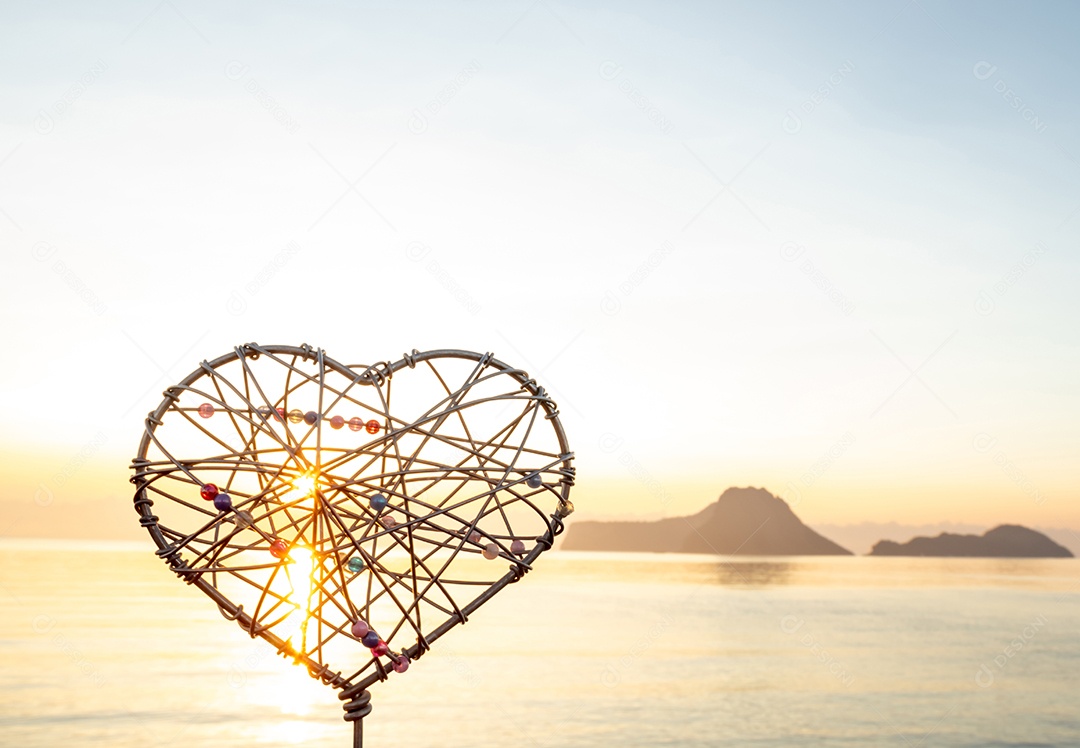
pixel 303 488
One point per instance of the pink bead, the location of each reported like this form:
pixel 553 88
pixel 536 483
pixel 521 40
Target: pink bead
pixel 355 424
pixel 337 422
pixel 491 551
pixel 360 628
pixel 402 663
pixel 475 537
pixel 206 410
pixel 387 521
pixel 517 548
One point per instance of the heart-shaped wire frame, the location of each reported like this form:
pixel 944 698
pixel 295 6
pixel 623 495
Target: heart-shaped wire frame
pixel 303 495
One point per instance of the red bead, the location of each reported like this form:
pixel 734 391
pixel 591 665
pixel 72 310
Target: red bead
pixel 279 548
pixel 373 426
pixel 380 649
pixel 209 491
pixel 280 414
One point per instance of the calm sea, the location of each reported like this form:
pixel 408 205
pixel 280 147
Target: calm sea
pixel 102 647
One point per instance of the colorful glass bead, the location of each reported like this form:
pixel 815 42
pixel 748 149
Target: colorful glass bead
pixel 209 491
pixel 491 551
pixel 206 410
pixel 222 502
pixel 534 481
pixel 295 416
pixel 355 424
pixel 370 639
pixel 337 422
pixel 378 502
pixel 372 426
pixel 475 537
pixel 279 548
pixel 242 518
pixel 311 417
pixel 360 628
pixel 264 412
pixel 564 509
pixel 388 522
pixel 280 413
pixel 517 548
pixel 380 649
pixel 355 565
pixel 401 664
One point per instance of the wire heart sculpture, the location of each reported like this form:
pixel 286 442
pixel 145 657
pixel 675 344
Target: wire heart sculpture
pixel 352 515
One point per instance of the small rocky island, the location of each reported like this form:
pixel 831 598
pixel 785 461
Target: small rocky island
pixel 743 521
pixel 1006 541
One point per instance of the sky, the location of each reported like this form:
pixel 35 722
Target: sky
pixel 824 248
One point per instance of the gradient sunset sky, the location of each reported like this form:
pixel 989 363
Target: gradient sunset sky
pixel 829 249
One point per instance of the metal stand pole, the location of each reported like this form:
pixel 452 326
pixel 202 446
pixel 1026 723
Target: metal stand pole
pixel 355 711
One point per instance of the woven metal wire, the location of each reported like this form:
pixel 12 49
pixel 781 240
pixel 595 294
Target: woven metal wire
pixel 467 453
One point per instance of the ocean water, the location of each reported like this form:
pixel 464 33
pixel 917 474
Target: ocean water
pixel 101 646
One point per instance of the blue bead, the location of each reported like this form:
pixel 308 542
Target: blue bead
pixel 534 481
pixel 370 639
pixel 355 564
pixel 222 502
pixel 378 502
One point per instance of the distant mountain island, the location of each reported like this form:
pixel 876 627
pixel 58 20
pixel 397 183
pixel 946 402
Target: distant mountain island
pixel 1006 541
pixel 743 521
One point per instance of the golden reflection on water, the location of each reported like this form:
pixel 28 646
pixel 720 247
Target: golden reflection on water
pixel 753 573
pixel 285 690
